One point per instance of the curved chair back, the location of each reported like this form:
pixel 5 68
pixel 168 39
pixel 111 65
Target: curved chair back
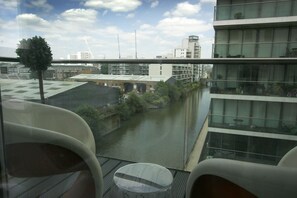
pixel 231 178
pixel 42 140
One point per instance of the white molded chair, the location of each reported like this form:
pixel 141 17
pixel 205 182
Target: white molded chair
pixel 42 140
pixel 230 178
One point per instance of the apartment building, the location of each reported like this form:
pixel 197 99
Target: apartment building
pixel 128 69
pixel 253 111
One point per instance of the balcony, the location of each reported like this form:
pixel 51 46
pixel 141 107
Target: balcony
pixel 187 134
pixel 256 50
pixel 257 88
pixel 255 10
pixel 56 186
pixel 285 127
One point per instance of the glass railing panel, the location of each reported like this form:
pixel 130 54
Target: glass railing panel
pixel 294 8
pixel 264 50
pixel 248 50
pixel 259 50
pixel 283 8
pixel 223 13
pixel 169 120
pixel 256 10
pixel 279 49
pixel 279 89
pixel 267 9
pixel 286 127
pixel 214 152
pixel 237 11
pixel 251 10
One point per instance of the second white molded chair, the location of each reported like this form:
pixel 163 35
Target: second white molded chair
pixel 230 178
pixel 42 140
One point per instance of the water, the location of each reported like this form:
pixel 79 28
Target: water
pixel 159 136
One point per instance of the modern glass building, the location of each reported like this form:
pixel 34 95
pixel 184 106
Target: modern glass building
pixel 253 106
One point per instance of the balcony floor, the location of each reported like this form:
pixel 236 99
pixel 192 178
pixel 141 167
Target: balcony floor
pixel 55 186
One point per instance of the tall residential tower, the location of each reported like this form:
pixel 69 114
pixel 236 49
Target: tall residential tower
pixel 253 111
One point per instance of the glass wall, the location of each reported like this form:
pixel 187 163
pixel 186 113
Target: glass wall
pixel 245 148
pixel 263 80
pixel 256 43
pixel 270 117
pixel 249 9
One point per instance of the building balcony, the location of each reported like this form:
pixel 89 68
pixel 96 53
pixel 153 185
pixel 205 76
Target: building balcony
pixel 285 127
pixel 188 129
pixel 255 10
pixel 256 50
pixel 258 88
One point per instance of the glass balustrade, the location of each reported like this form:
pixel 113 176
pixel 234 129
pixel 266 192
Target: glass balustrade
pixel 255 10
pixel 287 127
pixel 265 88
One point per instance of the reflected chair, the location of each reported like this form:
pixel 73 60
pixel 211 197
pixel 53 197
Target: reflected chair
pixel 230 178
pixel 42 140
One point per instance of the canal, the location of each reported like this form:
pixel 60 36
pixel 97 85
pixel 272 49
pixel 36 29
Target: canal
pixel 163 136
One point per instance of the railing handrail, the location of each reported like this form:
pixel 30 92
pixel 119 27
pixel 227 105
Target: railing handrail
pixel 283 60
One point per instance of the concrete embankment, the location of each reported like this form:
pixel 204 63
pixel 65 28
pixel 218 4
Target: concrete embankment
pixel 197 149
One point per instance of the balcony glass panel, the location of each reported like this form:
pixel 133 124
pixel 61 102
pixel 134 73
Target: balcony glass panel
pixel 258 111
pixel 267 9
pixel 264 50
pixel 220 51
pixel 230 111
pixel 283 8
pixel 254 124
pixel 273 113
pixel 237 11
pixel 279 50
pixel 234 51
pixel 243 111
pixel 294 8
pixel 248 50
pixel 251 10
pixel 255 9
pixel 223 13
pixel 263 88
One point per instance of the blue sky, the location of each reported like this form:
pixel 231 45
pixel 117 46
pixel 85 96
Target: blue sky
pixel 70 26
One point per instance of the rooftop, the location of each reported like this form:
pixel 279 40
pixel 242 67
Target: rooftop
pixel 135 78
pixel 29 89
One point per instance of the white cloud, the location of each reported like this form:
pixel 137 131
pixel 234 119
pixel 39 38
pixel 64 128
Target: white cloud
pixel 9 4
pixel 41 4
pixel 179 26
pixel 131 15
pixel 154 4
pixel 32 21
pixel 114 5
pixel 80 15
pixel 208 1
pixel 184 9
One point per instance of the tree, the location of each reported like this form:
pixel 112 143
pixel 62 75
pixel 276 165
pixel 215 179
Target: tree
pixel 91 116
pixel 104 68
pixel 36 54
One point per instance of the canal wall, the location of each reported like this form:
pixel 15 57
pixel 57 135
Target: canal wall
pixel 197 149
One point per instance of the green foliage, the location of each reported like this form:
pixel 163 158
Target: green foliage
pixel 35 53
pixel 124 111
pixel 104 68
pixel 91 116
pixel 135 103
pixel 174 93
pixel 162 89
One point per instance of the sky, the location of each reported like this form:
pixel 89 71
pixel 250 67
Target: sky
pixel 70 26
